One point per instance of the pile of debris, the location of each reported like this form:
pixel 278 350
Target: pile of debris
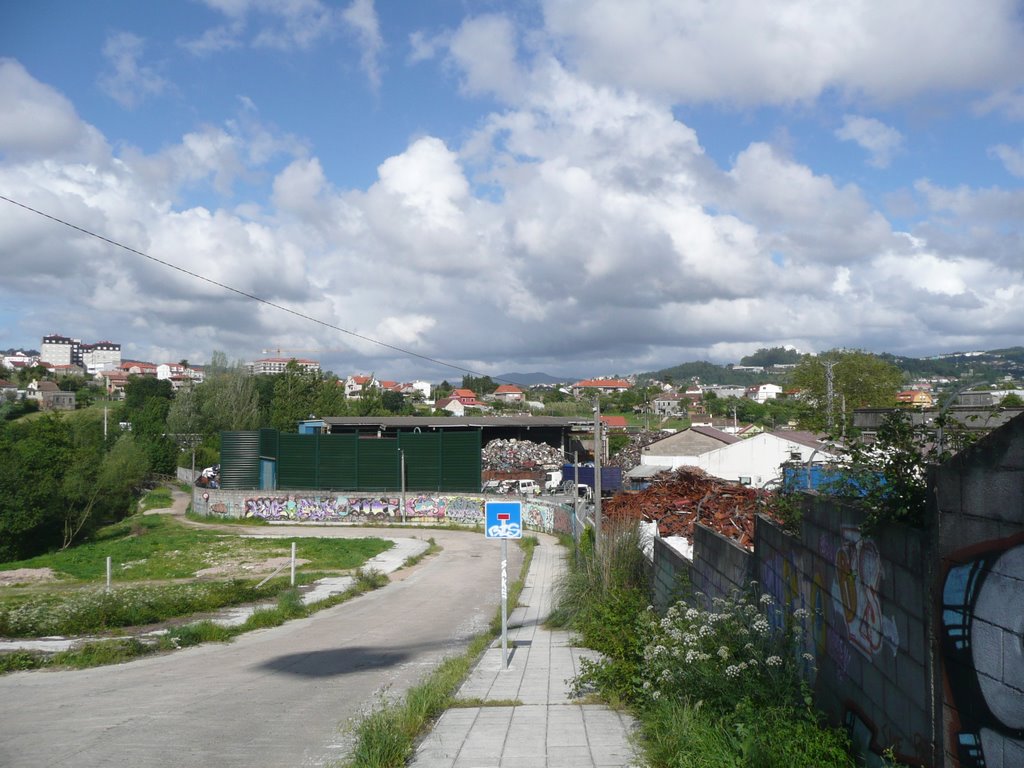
pixel 515 455
pixel 629 456
pixel 676 501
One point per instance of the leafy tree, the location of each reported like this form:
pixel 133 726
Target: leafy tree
pixel 295 393
pixel 35 455
pixel 769 356
pixel 1012 400
pixel 859 380
pixel 481 385
pixel 146 405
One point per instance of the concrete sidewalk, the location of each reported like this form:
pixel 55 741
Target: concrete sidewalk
pixel 546 728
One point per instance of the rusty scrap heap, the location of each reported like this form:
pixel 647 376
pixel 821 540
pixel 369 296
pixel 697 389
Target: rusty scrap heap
pixel 678 500
pixel 512 455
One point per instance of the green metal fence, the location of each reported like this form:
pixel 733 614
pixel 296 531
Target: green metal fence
pixel 434 461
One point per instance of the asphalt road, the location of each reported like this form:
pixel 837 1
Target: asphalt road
pixel 276 697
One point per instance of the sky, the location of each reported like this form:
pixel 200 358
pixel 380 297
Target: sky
pixel 580 187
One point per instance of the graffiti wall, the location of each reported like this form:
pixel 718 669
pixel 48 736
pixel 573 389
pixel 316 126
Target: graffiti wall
pixel 366 508
pixel 980 504
pixel 864 624
pixel 982 630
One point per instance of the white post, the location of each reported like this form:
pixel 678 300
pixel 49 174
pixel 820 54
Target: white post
pixel 293 563
pixel 401 469
pixel 108 574
pixel 504 602
pixel 598 440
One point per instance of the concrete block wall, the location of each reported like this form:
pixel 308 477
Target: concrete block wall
pixel 979 513
pixel 313 507
pixel 866 626
pixel 670 576
pixel 720 565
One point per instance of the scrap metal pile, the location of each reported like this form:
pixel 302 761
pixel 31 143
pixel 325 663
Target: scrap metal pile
pixel 678 500
pixel 515 455
pixel 629 456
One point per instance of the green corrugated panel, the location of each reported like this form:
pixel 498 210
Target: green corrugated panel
pixel 297 462
pixel 460 461
pixel 239 460
pixel 339 462
pixel 422 460
pixel 268 443
pixel 378 465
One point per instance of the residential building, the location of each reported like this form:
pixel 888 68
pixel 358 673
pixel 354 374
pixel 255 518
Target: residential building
pixel 137 368
pixel 599 386
pixel 101 356
pixel 272 366
pixel 669 404
pixel 355 386
pixel 762 392
pixel 60 350
pixel 509 393
pixel 50 397
pixel 453 405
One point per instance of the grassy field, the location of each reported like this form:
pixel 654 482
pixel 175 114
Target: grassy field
pixel 161 570
pixel 157 547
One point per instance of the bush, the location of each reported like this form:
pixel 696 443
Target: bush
pixel 723 655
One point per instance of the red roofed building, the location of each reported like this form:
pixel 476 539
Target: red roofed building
pixel 600 386
pixel 614 422
pixel 509 393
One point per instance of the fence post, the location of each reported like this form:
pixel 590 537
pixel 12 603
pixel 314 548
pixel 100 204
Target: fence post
pixel 108 573
pixel 293 563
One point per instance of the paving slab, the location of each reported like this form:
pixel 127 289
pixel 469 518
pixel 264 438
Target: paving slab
pixel 547 727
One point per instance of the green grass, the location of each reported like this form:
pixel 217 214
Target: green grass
pixel 157 498
pixel 386 737
pixel 119 650
pixel 154 547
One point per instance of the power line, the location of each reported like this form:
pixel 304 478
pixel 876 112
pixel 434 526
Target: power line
pixel 247 295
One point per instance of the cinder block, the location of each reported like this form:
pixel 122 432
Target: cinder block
pixel 911 679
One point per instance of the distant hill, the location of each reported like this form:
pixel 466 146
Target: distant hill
pixel 533 379
pixel 985 367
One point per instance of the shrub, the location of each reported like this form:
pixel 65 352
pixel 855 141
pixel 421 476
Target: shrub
pixel 723 655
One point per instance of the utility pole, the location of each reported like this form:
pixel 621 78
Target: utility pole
pixel 597 474
pixel 830 394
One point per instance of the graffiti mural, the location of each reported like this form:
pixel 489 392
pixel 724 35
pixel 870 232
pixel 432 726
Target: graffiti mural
pixel 540 517
pixel 983 649
pixel 858 572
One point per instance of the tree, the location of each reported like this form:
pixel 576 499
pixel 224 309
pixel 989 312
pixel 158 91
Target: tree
pixel 295 393
pixel 769 356
pixel 1012 400
pixel 858 380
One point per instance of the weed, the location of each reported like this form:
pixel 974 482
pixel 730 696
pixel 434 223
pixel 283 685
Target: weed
pixel 368 579
pixel 16 661
pixel 101 652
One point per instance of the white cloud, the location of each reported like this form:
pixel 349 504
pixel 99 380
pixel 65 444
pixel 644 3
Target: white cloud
pixel 362 18
pixel 40 121
pixel 1011 158
pixel 484 49
pixel 878 139
pixel 748 52
pixel 129 83
pixel 284 25
pixel 608 240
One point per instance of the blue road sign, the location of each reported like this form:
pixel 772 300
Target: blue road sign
pixel 503 520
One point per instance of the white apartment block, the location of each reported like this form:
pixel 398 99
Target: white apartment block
pixel 275 365
pixel 93 358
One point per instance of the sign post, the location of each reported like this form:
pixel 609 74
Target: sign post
pixel 504 520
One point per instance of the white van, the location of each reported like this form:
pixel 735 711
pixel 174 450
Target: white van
pixel 525 487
